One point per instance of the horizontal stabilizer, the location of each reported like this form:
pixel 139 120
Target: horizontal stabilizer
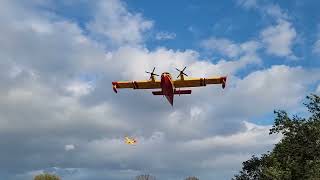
pixel 175 92
pixel 157 92
pixel 182 91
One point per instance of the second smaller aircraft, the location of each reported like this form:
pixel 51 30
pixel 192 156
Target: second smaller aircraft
pixel 129 140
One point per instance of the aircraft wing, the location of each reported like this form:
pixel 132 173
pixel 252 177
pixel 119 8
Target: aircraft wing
pixel 136 85
pixel 196 82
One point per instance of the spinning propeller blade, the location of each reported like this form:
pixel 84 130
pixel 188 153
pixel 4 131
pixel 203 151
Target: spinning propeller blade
pixel 181 73
pixel 152 73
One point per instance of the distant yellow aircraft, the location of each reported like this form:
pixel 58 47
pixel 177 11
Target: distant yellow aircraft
pixel 129 140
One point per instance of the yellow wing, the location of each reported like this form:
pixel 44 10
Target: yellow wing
pixel 196 82
pixel 136 85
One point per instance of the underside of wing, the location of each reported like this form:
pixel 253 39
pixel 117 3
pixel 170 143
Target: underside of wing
pixel 196 82
pixel 136 85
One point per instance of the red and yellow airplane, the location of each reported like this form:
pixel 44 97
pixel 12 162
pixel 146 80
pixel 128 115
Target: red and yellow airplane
pixel 168 85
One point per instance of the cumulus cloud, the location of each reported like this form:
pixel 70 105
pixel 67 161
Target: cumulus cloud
pixel 113 22
pixel 276 80
pixel 316 47
pixel 265 8
pixel 228 48
pixel 47 107
pixel 228 152
pixel 69 147
pixel 224 46
pixel 248 3
pixel 78 88
pixel 279 39
pixel 275 11
pixel 165 36
pixel 318 89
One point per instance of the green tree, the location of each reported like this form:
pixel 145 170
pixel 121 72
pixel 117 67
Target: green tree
pixel 297 155
pixel 145 177
pixel 46 176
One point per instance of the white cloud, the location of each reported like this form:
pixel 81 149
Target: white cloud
pixel 270 87
pixel 165 36
pixel 41 62
pixel 248 3
pixel 251 136
pixel 279 39
pixel 275 11
pixel 229 48
pixel 224 46
pixel 197 151
pixel 316 47
pixel 79 88
pixel 265 8
pixel 114 22
pixel 69 147
pixel 167 60
pixel 318 89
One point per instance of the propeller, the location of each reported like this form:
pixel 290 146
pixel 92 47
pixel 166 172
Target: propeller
pixel 181 72
pixel 152 73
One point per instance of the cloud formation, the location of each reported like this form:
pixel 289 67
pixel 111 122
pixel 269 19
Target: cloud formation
pixel 316 47
pixel 279 39
pixel 113 22
pixel 228 48
pixel 266 8
pixel 58 112
pixel 165 36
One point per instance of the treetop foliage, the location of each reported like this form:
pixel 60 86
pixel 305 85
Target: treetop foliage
pixel 297 155
pixel 46 176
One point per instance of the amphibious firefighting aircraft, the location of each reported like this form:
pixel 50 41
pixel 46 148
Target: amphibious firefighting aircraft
pixel 130 140
pixel 168 85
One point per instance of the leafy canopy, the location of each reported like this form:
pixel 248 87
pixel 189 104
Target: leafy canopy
pixel 297 155
pixel 46 176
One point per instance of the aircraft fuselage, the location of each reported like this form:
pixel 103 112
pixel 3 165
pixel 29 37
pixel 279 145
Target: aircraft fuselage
pixel 167 86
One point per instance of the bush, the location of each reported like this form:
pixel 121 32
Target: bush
pixel 46 176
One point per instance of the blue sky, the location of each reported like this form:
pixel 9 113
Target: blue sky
pixel 229 20
pixel 194 21
pixel 58 112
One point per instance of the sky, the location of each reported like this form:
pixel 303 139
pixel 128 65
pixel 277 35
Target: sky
pixel 58 112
